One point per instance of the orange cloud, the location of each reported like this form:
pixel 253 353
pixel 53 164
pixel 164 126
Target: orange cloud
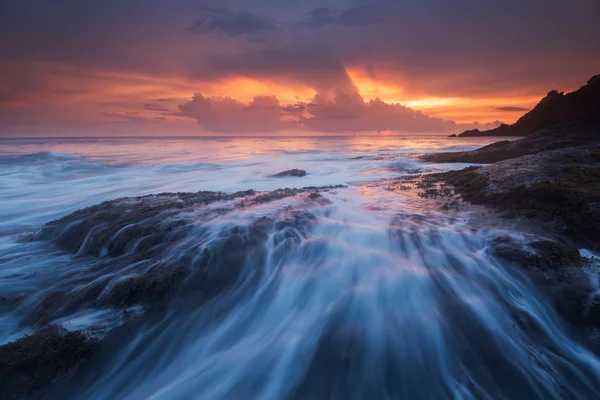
pixel 482 108
pixel 376 102
pixel 245 89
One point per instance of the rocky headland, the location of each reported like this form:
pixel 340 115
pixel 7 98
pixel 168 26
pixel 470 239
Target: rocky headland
pixel 556 108
pixel 551 177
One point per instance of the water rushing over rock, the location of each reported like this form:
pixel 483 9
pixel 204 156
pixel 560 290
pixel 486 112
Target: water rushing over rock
pixel 369 290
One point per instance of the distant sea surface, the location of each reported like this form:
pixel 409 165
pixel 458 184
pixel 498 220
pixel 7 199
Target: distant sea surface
pixel 43 179
pixel 369 290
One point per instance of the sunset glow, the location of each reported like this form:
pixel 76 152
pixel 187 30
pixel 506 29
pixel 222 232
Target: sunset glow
pixel 146 68
pixel 299 199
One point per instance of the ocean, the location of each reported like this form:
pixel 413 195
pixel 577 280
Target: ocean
pixel 367 290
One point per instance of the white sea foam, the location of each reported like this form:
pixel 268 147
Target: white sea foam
pixel 379 294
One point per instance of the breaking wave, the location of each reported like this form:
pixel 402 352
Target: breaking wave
pixel 364 291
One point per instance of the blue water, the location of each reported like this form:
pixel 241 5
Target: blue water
pixel 382 294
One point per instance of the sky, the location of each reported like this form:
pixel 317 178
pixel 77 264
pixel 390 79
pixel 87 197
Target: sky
pixel 271 67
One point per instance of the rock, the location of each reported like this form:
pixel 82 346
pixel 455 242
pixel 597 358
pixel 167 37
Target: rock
pixel 560 187
pixel 152 234
pixel 555 108
pixel 541 254
pixel 556 270
pixel 36 361
pixel 147 289
pixel 582 131
pixel 453 135
pixel 291 172
pixel 470 132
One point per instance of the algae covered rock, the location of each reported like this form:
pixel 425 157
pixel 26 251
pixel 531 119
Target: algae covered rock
pixel 37 360
pixel 291 172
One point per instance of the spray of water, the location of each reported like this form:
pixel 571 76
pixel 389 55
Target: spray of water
pixel 357 292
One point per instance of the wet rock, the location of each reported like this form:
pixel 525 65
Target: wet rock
pixel 9 302
pixel 579 132
pixel 291 172
pixel 145 224
pixel 147 289
pixel 139 251
pixel 555 108
pixel 36 361
pixel 451 205
pixel 470 132
pixel 117 225
pixel 560 272
pixel 560 187
pixel 556 255
pixel 541 254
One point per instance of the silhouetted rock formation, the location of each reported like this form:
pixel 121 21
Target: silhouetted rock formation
pixel 35 361
pixel 582 131
pixel 560 187
pixel 540 254
pixel 555 108
pixel 151 232
pixel 291 172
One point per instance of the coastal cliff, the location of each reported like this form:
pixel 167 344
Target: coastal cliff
pixel 555 108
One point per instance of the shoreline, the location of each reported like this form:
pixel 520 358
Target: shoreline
pixel 150 223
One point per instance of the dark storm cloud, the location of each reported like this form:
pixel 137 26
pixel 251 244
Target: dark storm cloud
pixel 435 48
pixel 510 109
pixel 356 17
pixel 342 113
pixel 463 47
pixel 155 107
pixel 226 22
pixel 314 64
pixel 129 116
pixel 294 108
pixel 224 114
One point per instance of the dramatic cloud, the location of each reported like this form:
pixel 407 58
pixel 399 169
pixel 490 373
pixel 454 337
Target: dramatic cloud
pixel 344 112
pixel 358 16
pixel 510 109
pixel 295 108
pixel 314 64
pixel 451 59
pixel 228 23
pixel 155 107
pixel 130 116
pixel 224 114
pixel 349 113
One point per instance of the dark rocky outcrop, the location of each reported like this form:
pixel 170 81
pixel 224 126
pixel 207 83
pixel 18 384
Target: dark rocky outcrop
pixel 540 254
pixel 35 361
pixel 115 226
pixel 469 133
pixel 131 217
pixel 559 271
pixel 453 135
pixel 560 187
pixel 555 108
pixel 582 131
pixel 291 172
pixel 142 251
